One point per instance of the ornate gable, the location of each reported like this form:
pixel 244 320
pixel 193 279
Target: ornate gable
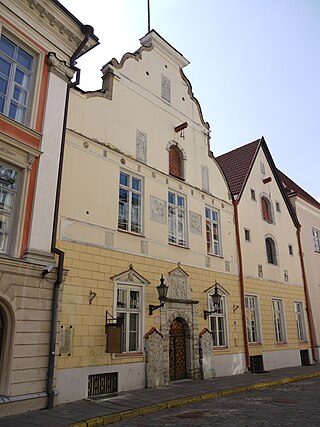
pixel 179 287
pixel 130 276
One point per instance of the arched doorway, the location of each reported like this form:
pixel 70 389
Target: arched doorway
pixel 177 350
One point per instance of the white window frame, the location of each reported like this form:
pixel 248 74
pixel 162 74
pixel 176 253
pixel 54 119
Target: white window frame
pixel 131 191
pixel 218 319
pixel 316 239
pixel 300 321
pixel 279 321
pixel 177 219
pixel 214 245
pixel 127 311
pixel 34 89
pixel 253 329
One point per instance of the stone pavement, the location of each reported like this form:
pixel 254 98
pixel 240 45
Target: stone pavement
pixel 129 404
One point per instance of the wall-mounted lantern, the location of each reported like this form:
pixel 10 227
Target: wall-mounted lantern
pixel 216 299
pixel 162 290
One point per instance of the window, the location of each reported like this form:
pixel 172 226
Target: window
pixel 316 239
pixel 247 235
pixel 300 323
pixel 129 300
pixel 262 168
pixel 8 194
pixel 218 323
pixel 130 203
pixel 271 251
pixel 176 162
pixel 278 207
pixel 278 320
pixel 252 318
pixel 266 209
pixel 253 195
pixel 16 69
pixel 213 231
pixel 177 219
pixel 290 248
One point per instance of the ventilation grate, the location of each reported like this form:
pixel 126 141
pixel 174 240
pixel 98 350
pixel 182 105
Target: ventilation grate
pixel 102 384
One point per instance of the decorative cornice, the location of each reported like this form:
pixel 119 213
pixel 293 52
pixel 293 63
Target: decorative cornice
pixel 59 68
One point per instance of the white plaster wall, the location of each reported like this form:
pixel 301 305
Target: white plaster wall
pixel 309 217
pixel 229 364
pixel 72 384
pixel 283 231
pixel 281 359
pixel 43 208
pixel 95 170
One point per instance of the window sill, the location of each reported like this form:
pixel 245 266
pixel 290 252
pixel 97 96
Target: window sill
pixel 255 344
pixel 216 256
pixel 279 344
pixel 129 354
pixel 131 233
pixel 178 246
pixel 222 348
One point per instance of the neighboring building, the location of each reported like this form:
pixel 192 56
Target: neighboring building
pixel 38 41
pixel 151 200
pixel 307 210
pixel 277 328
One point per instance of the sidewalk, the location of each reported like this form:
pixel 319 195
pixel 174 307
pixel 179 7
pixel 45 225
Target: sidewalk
pixel 130 404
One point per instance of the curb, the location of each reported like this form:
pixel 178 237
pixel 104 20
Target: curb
pixel 121 416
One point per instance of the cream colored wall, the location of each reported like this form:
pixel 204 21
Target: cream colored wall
pixel 283 231
pixel 137 104
pixel 309 217
pixel 94 171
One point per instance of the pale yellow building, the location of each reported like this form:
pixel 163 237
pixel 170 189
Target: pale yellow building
pixel 143 197
pixel 276 321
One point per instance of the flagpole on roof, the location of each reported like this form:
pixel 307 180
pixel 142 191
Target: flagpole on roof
pixel 149 16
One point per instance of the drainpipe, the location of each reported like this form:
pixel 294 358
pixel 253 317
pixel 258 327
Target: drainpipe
pixel 87 31
pixel 243 308
pixel 306 292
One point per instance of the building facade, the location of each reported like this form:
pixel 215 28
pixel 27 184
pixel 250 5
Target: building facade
pixel 274 289
pixel 37 42
pixel 308 212
pixel 151 202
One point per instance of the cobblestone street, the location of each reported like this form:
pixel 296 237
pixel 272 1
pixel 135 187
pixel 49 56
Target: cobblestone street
pixel 286 405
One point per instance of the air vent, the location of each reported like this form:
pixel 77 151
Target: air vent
pixel 102 384
pixel 304 356
pixel 256 364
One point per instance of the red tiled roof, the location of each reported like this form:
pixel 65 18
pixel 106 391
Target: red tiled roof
pixel 292 188
pixel 236 164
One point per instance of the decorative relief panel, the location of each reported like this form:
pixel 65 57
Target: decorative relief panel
pixel 205 178
pixel 195 223
pixel 141 146
pixel 179 285
pixel 165 88
pixel 144 247
pixel 158 209
pixel 154 359
pixel 109 239
pixel 206 352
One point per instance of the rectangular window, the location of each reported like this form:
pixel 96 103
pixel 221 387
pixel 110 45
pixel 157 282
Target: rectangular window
pixel 8 193
pixel 262 168
pixel 278 207
pixel 253 195
pixel 316 239
pixel 177 219
pixel 252 319
pixel 247 235
pixel 129 312
pixel 290 248
pixel 130 203
pixel 278 320
pixel 300 323
pixel 218 324
pixel 213 231
pixel 16 72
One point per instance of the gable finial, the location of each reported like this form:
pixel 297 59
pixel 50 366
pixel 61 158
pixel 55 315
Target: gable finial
pixel 131 266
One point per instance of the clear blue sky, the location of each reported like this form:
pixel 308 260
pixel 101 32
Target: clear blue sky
pixel 254 67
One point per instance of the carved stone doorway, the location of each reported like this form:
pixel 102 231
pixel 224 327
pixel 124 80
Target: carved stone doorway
pixel 177 350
